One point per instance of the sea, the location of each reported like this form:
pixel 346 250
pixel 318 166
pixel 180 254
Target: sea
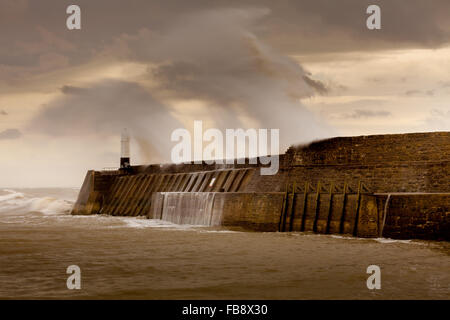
pixel 139 258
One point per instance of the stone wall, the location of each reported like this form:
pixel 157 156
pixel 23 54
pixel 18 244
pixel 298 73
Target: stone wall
pixel 332 213
pixel 419 216
pixel 354 215
pixel 95 189
pixel 256 212
pixel 374 149
pixel 383 177
pixel 418 162
pixel 412 163
pixel 248 211
pixel 131 195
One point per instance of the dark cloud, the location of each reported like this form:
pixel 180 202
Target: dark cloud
pixel 364 108
pixel 374 80
pixel 72 90
pixel 359 113
pixel 327 26
pixel 420 92
pixel 445 84
pixel 105 109
pixel 212 56
pixel 318 85
pixel 233 55
pixel 233 71
pixel 413 92
pixel 10 134
pixel 353 105
pixel 34 38
pixel 3 113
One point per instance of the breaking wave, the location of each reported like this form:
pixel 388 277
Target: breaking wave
pixel 140 223
pixel 15 202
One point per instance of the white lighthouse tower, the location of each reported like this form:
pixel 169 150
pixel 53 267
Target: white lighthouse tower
pixel 125 150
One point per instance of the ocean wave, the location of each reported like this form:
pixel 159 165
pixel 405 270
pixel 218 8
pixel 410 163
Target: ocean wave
pixel 11 195
pixel 140 223
pixel 389 240
pixel 15 202
pixel 220 231
pixel 380 240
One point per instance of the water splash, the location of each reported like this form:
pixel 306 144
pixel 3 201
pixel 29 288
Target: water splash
pixel 194 208
pixel 13 202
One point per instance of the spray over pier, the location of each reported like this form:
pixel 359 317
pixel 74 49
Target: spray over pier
pixel 395 186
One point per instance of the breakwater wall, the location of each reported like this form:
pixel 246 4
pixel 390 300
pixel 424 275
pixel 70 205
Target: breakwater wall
pixel 249 211
pixel 416 215
pixel 130 194
pixel 273 211
pixel 339 185
pixel 415 162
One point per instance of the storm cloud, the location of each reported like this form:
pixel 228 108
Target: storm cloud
pixel 153 66
pixel 358 114
pixel 105 109
pixel 224 64
pixel 34 39
pixel 10 134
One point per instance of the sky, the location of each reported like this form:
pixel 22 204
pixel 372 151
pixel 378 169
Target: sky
pixel 309 68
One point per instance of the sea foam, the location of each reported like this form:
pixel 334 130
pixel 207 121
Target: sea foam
pixel 12 202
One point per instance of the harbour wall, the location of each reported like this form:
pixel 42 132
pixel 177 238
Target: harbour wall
pixel 421 216
pixel 415 162
pixel 275 211
pixel 334 177
pixel 130 194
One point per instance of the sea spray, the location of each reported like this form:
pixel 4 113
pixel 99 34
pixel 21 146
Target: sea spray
pixel 14 202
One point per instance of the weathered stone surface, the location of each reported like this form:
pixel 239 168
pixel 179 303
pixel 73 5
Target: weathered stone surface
pixel 419 216
pixel 399 163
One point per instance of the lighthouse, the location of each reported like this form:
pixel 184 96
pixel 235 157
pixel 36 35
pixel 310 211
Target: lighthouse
pixel 125 150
